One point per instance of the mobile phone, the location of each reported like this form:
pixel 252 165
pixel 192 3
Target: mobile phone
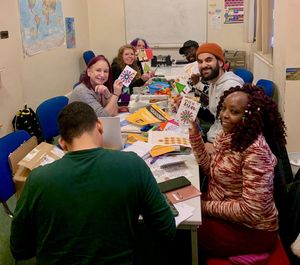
pixel 173 184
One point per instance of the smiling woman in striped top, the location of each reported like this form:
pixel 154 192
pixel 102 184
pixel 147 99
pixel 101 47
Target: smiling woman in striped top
pixel 239 212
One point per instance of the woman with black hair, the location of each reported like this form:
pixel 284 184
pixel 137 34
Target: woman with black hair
pixel 239 212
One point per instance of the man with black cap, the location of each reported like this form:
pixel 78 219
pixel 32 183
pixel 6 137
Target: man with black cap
pixel 189 49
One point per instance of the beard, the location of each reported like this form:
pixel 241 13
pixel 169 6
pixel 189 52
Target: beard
pixel 214 73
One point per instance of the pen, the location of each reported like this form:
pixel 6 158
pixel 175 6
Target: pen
pixel 154 159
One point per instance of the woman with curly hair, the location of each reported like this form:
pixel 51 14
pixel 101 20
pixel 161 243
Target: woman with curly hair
pixel 126 56
pixel 239 212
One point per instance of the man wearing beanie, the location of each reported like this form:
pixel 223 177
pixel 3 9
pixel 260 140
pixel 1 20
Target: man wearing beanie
pixel 210 58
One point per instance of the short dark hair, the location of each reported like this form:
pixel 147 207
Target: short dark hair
pixel 75 119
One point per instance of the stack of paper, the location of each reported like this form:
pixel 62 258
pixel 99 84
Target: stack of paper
pixel 140 148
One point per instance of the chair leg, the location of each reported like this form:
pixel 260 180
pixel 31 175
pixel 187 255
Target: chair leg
pixel 7 210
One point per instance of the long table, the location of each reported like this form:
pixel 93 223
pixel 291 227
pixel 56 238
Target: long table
pixel 193 222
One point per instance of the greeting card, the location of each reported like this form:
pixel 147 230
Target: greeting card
pixel 127 75
pixel 187 111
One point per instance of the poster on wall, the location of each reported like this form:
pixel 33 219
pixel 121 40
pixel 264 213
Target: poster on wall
pixel 234 11
pixel 70 33
pixel 42 25
pixel 292 73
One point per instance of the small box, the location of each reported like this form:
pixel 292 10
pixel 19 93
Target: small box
pixel 29 156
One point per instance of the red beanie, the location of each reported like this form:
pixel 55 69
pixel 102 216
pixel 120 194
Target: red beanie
pixel 211 48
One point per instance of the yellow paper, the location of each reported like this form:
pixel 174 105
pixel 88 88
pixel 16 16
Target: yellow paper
pixel 148 115
pixel 161 149
pixel 133 137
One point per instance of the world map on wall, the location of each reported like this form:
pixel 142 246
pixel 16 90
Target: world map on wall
pixel 42 25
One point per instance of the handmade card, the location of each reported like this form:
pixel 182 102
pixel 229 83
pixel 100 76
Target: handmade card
pixel 127 75
pixel 187 111
pixel 191 68
pixel 145 54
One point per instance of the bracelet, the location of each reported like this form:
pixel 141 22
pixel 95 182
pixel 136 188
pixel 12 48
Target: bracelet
pixel 108 96
pixel 113 94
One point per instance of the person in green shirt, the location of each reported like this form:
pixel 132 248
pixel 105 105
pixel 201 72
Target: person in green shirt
pixel 85 207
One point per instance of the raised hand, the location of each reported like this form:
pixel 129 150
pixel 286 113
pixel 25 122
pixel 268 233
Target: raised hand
pixel 118 85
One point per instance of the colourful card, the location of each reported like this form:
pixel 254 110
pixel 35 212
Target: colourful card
pixel 191 68
pixel 145 54
pixel 187 111
pixel 127 75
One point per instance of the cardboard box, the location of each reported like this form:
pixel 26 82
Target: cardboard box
pixel 29 156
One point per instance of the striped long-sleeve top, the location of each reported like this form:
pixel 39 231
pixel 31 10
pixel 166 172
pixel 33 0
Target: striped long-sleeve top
pixel 240 185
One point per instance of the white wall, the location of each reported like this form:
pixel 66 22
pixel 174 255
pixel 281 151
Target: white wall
pixel 33 79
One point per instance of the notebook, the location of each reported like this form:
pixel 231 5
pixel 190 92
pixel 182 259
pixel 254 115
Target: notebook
pixel 112 138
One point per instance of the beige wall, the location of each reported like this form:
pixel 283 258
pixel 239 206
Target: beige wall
pixel 107 26
pixel 100 26
pixel 33 79
pixel 287 55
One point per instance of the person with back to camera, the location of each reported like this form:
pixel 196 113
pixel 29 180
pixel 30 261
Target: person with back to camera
pixel 126 56
pixel 97 89
pixel 239 212
pixel 84 208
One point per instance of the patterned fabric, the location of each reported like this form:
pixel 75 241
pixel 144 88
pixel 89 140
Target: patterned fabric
pixel 250 259
pixel 240 185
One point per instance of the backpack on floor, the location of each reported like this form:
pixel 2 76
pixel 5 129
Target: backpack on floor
pixel 25 119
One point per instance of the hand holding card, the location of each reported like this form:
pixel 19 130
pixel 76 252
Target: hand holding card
pixel 127 75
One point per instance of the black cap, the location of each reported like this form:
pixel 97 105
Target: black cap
pixel 187 44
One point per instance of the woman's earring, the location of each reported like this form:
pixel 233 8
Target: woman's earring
pixel 243 119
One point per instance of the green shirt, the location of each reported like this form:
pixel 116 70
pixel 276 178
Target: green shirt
pixel 84 208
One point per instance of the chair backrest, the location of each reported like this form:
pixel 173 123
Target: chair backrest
pixel 87 56
pixel 8 144
pixel 47 114
pixel 267 85
pixel 245 74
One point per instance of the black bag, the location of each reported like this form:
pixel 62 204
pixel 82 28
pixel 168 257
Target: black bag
pixel 25 119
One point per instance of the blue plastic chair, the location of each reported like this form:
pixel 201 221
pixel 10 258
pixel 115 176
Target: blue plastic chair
pixel 8 144
pixel 87 56
pixel 47 114
pixel 245 74
pixel 267 85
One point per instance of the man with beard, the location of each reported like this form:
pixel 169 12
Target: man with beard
pixel 210 58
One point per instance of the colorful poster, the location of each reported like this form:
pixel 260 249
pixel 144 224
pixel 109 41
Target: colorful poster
pixel 70 33
pixel 292 73
pixel 234 11
pixel 42 25
pixel 127 75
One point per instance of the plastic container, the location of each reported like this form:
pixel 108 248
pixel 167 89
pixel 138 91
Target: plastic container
pixel 294 158
pixel 157 86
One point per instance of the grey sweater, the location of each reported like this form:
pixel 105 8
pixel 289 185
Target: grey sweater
pixel 89 96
